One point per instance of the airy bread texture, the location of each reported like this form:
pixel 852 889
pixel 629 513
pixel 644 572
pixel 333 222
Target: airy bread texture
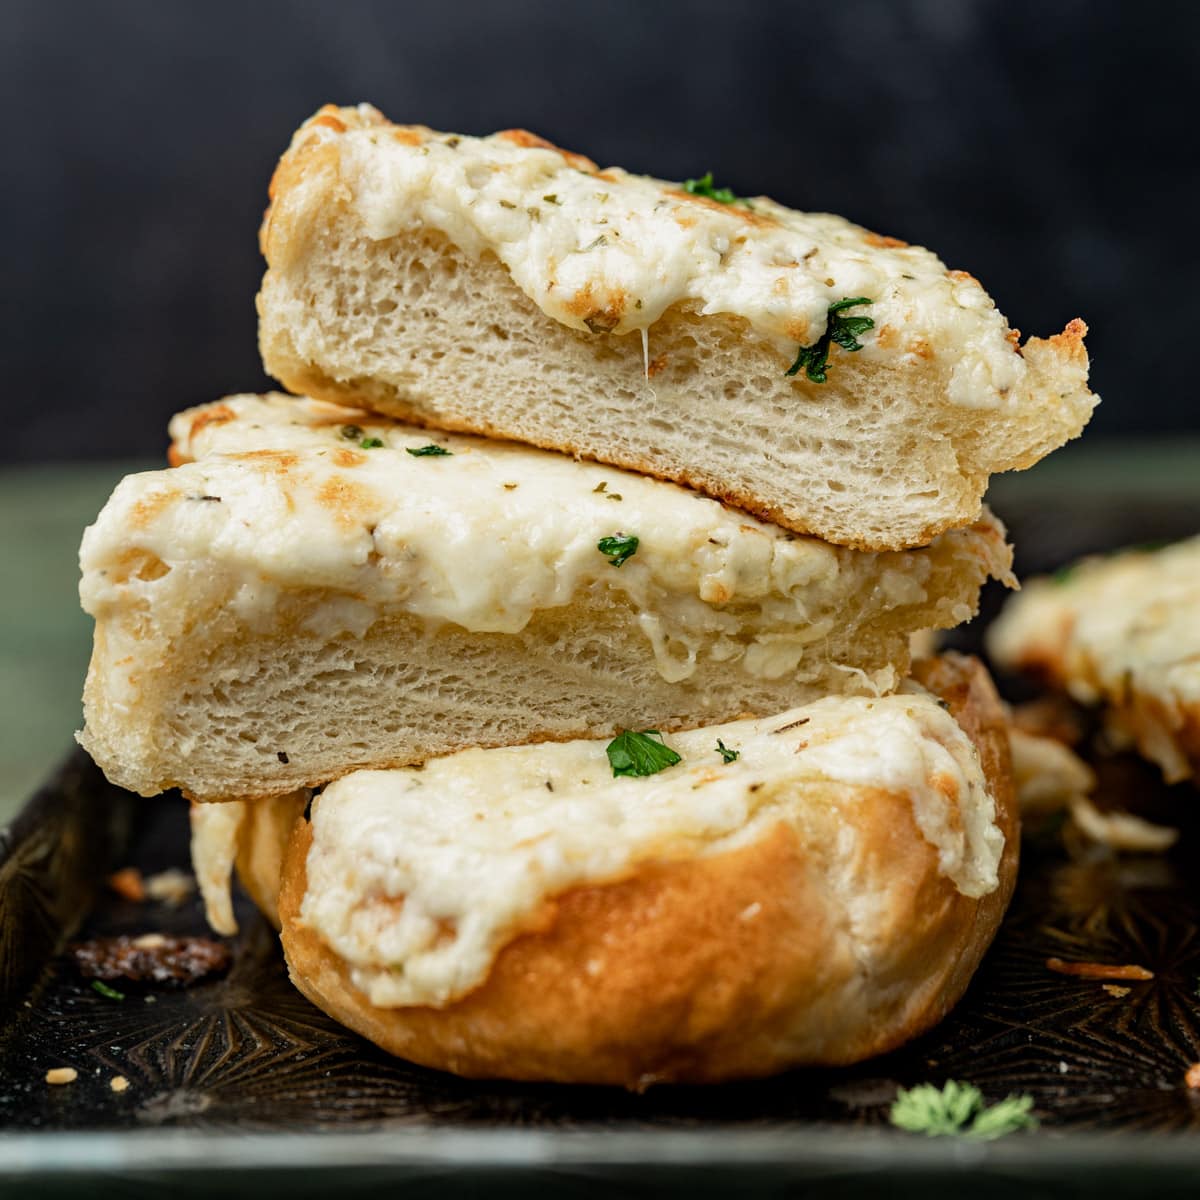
pixel 501 286
pixel 272 619
pixel 827 930
pixel 1121 632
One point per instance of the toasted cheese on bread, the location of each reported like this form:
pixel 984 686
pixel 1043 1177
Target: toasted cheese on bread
pixel 301 601
pixel 478 842
pixel 502 286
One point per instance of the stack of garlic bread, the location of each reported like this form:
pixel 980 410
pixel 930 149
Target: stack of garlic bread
pixel 544 666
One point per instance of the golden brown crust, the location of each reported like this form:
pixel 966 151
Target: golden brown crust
pixel 262 842
pixel 734 965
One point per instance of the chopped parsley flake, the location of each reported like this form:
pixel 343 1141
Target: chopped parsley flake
pixel 352 433
pixel 727 755
pixel 958 1110
pixel 429 451
pixel 105 990
pixel 704 187
pixel 552 198
pixel 814 359
pixel 371 443
pixel 619 547
pixel 631 753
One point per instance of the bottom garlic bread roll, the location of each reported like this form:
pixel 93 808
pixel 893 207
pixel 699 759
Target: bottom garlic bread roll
pixel 811 888
pixel 1121 632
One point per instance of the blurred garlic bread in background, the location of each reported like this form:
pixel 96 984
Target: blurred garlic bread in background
pixel 1120 632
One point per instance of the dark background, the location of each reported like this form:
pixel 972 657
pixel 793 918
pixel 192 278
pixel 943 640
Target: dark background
pixel 1049 148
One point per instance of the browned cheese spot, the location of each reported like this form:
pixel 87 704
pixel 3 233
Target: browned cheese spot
pixel 347 501
pixel 599 317
pixel 739 211
pixel 530 141
pixel 409 135
pixel 882 241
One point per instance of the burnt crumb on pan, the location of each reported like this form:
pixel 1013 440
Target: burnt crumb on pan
pixel 151 958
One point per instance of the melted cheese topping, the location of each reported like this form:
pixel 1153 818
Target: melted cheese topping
pixel 484 537
pixel 1115 628
pixel 611 251
pixel 417 877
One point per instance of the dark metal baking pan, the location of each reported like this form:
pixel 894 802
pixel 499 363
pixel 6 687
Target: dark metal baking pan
pixel 240 1086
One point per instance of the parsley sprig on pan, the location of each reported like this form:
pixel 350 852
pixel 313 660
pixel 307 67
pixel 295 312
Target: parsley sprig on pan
pixel 704 187
pixel 814 359
pixel 631 753
pixel 110 993
pixel 958 1110
pixel 618 548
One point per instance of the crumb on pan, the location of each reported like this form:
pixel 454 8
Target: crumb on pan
pixel 1095 970
pixel 172 886
pixel 62 1075
pixel 128 884
pixel 1121 830
pixel 1115 989
pixel 1192 1078
pixel 118 1083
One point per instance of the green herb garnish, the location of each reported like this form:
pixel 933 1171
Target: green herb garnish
pixel 371 443
pixel 704 187
pixel 814 359
pixel 105 990
pixel 958 1110
pixel 618 547
pixel 429 451
pixel 642 753
pixel 727 755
